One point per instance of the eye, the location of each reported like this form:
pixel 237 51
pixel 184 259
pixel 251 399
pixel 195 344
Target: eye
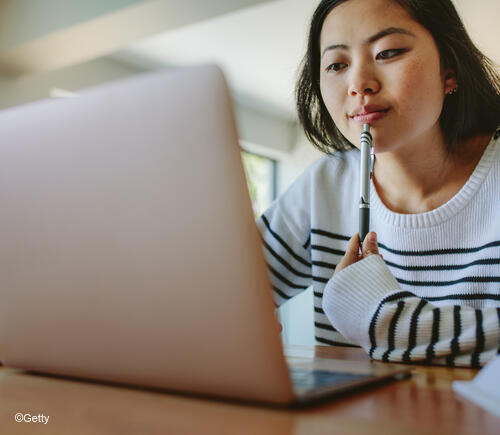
pixel 388 54
pixel 335 67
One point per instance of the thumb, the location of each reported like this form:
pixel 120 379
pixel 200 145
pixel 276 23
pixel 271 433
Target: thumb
pixel 351 254
pixel 352 251
pixel 370 245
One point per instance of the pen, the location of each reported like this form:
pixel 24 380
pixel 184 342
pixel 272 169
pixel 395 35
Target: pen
pixel 366 167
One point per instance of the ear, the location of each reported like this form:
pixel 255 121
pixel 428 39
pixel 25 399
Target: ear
pixel 450 81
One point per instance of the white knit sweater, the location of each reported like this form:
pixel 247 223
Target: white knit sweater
pixel 435 296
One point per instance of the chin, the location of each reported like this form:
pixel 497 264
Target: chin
pixel 381 144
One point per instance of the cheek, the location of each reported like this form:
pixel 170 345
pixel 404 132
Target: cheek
pixel 333 101
pixel 420 89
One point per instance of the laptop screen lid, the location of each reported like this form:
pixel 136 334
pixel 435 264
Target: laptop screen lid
pixel 129 251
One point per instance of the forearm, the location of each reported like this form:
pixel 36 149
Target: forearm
pixel 364 302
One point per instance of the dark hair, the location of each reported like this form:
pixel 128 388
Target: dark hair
pixel 473 110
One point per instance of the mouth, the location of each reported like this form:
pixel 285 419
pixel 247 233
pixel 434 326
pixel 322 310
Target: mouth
pixel 368 116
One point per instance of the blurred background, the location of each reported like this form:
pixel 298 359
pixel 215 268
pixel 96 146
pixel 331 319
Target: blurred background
pixel 57 48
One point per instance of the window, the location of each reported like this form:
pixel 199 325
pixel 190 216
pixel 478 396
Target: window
pixel 261 180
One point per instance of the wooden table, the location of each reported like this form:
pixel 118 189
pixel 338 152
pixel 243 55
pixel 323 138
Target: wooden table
pixel 423 404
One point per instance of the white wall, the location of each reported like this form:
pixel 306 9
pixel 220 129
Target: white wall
pixel 45 35
pixel 269 129
pixel 32 87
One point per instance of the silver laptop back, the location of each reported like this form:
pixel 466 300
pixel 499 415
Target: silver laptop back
pixel 128 248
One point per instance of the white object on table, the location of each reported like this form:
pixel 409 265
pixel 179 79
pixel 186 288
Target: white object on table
pixel 484 389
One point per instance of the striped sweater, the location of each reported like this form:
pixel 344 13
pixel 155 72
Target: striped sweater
pixel 435 296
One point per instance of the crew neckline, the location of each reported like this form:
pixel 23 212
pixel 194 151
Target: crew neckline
pixel 449 208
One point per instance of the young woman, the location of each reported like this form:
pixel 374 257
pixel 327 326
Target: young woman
pixel 409 69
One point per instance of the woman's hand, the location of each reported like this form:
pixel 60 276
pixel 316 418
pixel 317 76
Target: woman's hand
pixel 353 254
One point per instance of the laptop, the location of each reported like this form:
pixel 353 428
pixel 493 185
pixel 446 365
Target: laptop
pixel 129 251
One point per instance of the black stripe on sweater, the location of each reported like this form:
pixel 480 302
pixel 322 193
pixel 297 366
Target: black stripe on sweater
pixel 413 253
pixel 324 326
pixel 412 341
pixel 465 297
pixel 440 251
pixel 373 322
pixel 320 279
pixel 436 316
pixel 308 241
pixel 486 261
pixel 325 265
pixel 334 343
pixel 479 340
pixel 327 249
pixel 330 235
pixel 455 348
pixel 319 310
pixel 457 329
pixel 281 293
pixel 448 283
pixel 285 280
pixel 392 331
pixel 284 263
pixel 284 244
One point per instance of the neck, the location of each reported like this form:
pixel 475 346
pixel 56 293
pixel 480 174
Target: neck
pixel 424 176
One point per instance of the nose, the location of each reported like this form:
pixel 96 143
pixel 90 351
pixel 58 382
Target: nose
pixel 363 82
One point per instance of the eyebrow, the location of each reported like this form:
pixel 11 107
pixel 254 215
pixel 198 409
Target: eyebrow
pixel 373 38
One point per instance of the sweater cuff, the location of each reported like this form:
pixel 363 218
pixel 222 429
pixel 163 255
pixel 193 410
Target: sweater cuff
pixel 352 296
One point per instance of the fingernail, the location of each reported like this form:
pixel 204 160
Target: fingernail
pixel 373 237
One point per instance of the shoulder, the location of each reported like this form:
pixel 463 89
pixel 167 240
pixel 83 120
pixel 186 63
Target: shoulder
pixel 325 175
pixel 322 178
pixel 329 169
pixel 317 189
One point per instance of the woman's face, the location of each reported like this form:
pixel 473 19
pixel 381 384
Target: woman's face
pixel 379 66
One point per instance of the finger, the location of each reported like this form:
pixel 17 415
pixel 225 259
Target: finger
pixel 370 245
pixel 351 254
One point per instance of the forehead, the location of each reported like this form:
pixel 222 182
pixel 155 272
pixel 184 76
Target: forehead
pixel 353 21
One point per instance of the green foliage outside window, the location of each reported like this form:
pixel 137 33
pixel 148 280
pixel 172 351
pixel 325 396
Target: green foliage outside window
pixel 259 174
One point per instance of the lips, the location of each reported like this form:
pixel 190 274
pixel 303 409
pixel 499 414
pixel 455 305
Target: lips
pixel 368 113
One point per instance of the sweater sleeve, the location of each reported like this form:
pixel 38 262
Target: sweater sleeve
pixel 365 303
pixel 285 229
pixel 286 254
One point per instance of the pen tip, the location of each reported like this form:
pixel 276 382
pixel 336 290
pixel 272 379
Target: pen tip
pixel 366 127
